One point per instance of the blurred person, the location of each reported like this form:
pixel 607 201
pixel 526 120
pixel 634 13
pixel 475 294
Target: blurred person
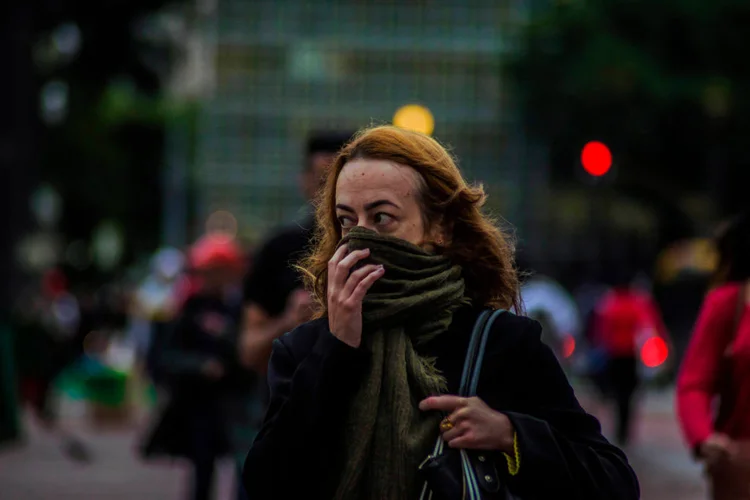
pixel 587 295
pixel 275 300
pixel 404 263
pixel 717 365
pixel 623 318
pixel 155 304
pixel 547 301
pixel 50 326
pixel 209 409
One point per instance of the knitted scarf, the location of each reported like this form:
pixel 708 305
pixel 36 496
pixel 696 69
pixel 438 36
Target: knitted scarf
pixel 386 436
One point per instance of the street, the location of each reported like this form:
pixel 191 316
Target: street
pixel 38 471
pixel 659 456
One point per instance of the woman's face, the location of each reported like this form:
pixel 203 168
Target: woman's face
pixel 381 196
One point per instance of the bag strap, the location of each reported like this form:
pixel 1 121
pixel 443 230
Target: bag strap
pixel 479 357
pixel 469 382
pixel 473 361
pixel 472 351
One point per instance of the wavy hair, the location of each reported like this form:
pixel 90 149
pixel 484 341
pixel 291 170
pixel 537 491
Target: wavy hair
pixel 474 241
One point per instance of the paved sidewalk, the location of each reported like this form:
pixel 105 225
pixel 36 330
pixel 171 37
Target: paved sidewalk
pixel 38 471
pixel 658 454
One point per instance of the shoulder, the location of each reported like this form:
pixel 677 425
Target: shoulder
pixel 724 292
pixel 517 355
pixel 278 250
pixel 513 332
pixel 723 297
pixel 299 343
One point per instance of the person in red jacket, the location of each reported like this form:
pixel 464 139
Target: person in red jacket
pixel 624 317
pixel 717 364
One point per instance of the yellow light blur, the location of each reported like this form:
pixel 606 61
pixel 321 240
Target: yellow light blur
pixel 415 117
pixel 222 222
pixel 699 255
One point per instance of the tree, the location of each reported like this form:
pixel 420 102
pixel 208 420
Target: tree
pixel 664 84
pixel 105 156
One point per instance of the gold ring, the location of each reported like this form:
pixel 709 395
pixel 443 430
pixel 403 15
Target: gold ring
pixel 446 425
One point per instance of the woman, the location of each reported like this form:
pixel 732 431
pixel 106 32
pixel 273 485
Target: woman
pixel 46 347
pixel 210 393
pixel 717 363
pixel 404 263
pixel 624 316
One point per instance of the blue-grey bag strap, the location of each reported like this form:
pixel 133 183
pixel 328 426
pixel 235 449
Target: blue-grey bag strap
pixel 469 382
pixel 472 483
pixel 479 356
pixel 472 351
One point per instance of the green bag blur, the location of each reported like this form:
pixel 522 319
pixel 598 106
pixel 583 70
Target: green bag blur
pixel 107 388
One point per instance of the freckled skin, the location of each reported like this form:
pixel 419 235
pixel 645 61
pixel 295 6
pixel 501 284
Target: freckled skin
pixel 363 182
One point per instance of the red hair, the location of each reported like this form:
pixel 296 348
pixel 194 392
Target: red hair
pixel 474 240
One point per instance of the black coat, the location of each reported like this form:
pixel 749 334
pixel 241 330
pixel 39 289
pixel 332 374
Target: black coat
pixel 199 412
pixel 312 376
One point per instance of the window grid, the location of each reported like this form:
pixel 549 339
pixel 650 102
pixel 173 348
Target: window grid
pixel 287 67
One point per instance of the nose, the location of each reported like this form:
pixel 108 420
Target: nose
pixel 366 225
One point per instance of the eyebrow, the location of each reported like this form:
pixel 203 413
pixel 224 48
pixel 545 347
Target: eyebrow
pixel 369 206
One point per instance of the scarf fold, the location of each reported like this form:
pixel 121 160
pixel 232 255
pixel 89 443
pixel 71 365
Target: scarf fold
pixel 385 435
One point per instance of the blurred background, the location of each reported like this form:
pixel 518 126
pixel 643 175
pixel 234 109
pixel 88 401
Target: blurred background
pixel 609 134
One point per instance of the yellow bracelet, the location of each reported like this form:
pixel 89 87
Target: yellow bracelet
pixel 514 462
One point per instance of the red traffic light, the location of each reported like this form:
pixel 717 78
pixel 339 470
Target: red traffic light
pixel 596 158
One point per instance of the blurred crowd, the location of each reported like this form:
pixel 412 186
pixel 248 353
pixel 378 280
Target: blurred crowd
pixel 198 325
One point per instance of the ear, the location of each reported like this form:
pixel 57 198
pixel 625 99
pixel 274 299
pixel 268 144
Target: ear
pixel 441 232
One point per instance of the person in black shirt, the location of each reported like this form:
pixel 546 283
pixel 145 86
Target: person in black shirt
pixel 275 300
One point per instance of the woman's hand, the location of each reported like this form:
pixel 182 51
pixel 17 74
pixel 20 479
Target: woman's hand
pixel 716 448
pixel 346 290
pixel 475 425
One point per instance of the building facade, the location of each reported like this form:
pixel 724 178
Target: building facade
pixel 285 68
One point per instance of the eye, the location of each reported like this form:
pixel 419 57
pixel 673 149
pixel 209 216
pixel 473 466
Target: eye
pixel 346 222
pixel 382 218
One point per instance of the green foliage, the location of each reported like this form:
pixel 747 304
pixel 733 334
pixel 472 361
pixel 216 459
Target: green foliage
pixel 122 103
pixel 107 155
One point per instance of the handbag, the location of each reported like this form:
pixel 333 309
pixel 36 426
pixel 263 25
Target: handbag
pixel 452 474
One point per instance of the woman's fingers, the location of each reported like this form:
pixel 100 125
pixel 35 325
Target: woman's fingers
pixel 342 267
pixel 447 403
pixel 357 276
pixel 457 431
pixel 338 255
pixel 352 258
pixel 461 420
pixel 463 441
pixel 461 414
pixel 361 289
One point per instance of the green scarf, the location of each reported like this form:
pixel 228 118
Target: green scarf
pixel 386 436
